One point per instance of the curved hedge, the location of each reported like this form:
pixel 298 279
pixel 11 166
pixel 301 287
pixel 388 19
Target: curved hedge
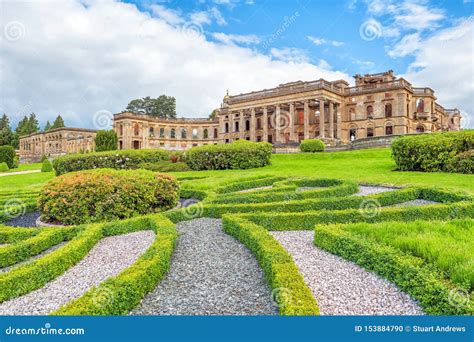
pixel 105 194
pixel 312 145
pixel 240 154
pixel 122 159
pixel 431 152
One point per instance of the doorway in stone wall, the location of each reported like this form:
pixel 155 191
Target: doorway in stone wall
pixel 136 145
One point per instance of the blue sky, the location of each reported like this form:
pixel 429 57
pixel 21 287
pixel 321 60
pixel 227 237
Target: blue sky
pixel 86 59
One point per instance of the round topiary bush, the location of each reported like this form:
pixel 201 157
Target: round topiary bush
pixel 106 194
pixel 47 166
pixel 4 167
pixel 7 155
pixel 312 145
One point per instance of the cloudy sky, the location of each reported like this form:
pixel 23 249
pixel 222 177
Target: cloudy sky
pixel 88 59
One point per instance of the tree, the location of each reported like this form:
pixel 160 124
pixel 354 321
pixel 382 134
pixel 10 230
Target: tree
pixel 6 133
pixel 162 107
pixel 47 127
pixel 58 122
pixel 214 113
pixel 106 140
pixel 28 125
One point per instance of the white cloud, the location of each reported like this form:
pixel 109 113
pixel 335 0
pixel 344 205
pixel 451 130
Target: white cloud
pixel 406 46
pixel 445 62
pixel 206 17
pixel 291 55
pixel 172 17
pixel 236 38
pixel 84 59
pixel 321 41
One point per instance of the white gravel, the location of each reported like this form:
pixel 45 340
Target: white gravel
pixel 308 188
pixel 211 273
pixel 413 203
pixel 341 287
pixel 365 190
pixel 255 189
pixel 107 258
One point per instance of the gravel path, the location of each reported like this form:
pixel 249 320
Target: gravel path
pixel 3 174
pixel 26 220
pixel 413 203
pixel 107 258
pixel 341 287
pixel 308 188
pixel 365 190
pixel 43 253
pixel 255 189
pixel 211 273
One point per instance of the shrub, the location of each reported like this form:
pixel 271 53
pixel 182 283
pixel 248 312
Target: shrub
pixel 106 140
pixel 165 166
pixel 4 167
pixel 462 163
pixel 47 166
pixel 241 154
pixel 7 155
pixel 312 145
pixel 123 159
pixel 43 157
pixel 104 194
pixel 430 152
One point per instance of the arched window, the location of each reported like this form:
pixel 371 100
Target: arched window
pixel 136 129
pixel 215 133
pixel 420 129
pixel 162 132
pixel 151 132
pixel 389 129
pixel 352 133
pixel 370 112
pixel 388 110
pixel 195 133
pixel 420 106
pixel 259 123
pixel 205 133
pixel 184 133
pixel 236 126
pixel 247 125
pixel 227 127
pixel 352 115
pixel 173 133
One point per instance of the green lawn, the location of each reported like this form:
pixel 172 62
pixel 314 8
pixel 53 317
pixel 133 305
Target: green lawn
pixel 27 167
pixel 370 166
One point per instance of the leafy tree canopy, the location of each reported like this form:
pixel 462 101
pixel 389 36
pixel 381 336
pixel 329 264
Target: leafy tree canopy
pixel 162 107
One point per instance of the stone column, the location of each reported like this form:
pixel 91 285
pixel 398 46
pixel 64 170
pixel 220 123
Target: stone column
pixel 339 120
pixel 321 119
pixel 231 127
pixel 306 119
pixel 292 122
pixel 265 124
pixel 242 125
pixel 331 120
pixel 277 124
pixel 252 124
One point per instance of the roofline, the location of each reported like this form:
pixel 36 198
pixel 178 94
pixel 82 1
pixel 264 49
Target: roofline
pixel 88 130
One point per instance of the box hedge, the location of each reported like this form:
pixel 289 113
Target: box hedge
pixel 237 155
pixel 431 152
pixel 122 159
pixel 105 194
pixel 312 145
pixel 7 155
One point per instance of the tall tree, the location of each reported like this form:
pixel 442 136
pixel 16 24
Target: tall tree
pixel 6 133
pixel 47 127
pixel 163 106
pixel 58 122
pixel 33 124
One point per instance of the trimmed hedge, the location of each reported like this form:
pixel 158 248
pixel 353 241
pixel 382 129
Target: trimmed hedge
pixel 289 289
pixel 312 145
pixel 4 167
pixel 122 159
pixel 462 162
pixel 240 184
pixel 47 166
pixel 119 294
pixel 241 154
pixel 105 194
pixel 22 250
pixel 10 235
pixel 431 152
pixel 165 166
pixel 7 155
pixel 410 273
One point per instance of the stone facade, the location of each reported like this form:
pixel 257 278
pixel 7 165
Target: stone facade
pixel 56 142
pixel 379 105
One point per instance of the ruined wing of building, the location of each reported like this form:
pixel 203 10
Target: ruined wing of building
pixel 379 107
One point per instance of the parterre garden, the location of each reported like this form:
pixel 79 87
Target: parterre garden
pixel 416 240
